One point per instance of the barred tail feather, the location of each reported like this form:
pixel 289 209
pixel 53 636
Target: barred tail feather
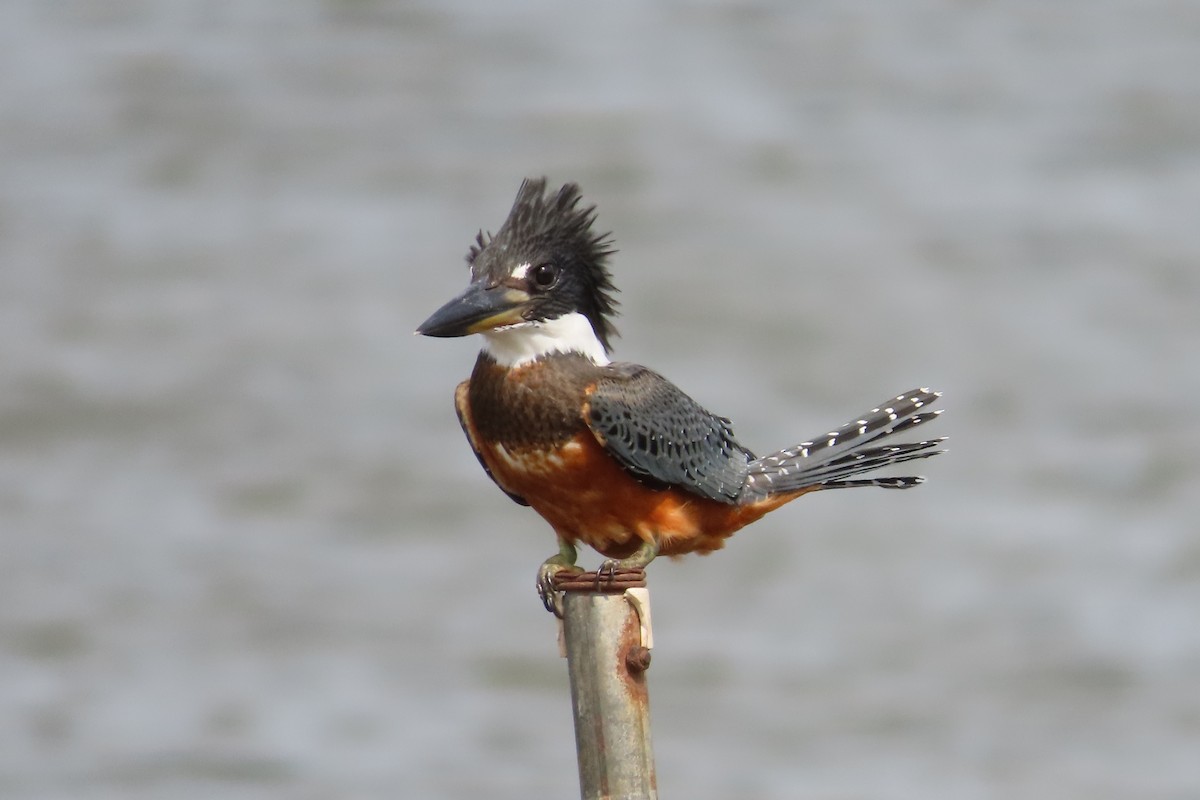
pixel 884 483
pixel 828 461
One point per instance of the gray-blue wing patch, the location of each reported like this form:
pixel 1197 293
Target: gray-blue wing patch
pixel 663 436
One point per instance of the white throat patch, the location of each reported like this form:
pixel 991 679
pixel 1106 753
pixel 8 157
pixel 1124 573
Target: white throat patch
pixel 519 344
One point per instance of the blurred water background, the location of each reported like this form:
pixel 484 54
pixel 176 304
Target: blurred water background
pixel 245 552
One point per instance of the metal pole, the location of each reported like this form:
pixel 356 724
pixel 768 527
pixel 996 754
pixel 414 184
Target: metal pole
pixel 606 633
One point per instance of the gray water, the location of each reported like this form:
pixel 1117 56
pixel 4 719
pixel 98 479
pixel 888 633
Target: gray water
pixel 245 552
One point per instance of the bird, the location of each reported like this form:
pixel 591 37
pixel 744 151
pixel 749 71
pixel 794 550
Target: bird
pixel 612 454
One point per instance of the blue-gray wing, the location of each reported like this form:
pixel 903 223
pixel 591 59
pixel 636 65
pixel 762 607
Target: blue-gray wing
pixel 663 436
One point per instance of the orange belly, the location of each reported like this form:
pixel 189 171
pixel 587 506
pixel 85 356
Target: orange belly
pixel 588 497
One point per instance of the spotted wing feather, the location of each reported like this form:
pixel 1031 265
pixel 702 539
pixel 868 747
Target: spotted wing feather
pixel 662 436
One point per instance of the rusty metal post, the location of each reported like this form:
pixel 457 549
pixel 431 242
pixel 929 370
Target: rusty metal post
pixel 606 634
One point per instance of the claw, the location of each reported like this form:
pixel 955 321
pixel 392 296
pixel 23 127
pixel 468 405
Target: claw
pixel 645 553
pixel 563 561
pixel 545 584
pixel 607 572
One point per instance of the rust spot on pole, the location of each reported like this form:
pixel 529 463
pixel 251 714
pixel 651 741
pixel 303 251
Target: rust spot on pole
pixel 637 659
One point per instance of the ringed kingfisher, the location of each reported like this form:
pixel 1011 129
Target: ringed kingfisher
pixel 612 454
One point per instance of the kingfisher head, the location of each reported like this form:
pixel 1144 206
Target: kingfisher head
pixel 539 285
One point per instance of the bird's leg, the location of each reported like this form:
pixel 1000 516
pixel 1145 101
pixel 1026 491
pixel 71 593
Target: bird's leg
pixel 563 561
pixel 646 552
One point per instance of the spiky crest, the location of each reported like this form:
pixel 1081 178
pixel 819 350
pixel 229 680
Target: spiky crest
pixel 541 226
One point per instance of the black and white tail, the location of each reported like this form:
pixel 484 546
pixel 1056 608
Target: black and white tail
pixel 829 461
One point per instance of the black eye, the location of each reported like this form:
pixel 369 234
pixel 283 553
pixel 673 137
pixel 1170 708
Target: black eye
pixel 545 275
